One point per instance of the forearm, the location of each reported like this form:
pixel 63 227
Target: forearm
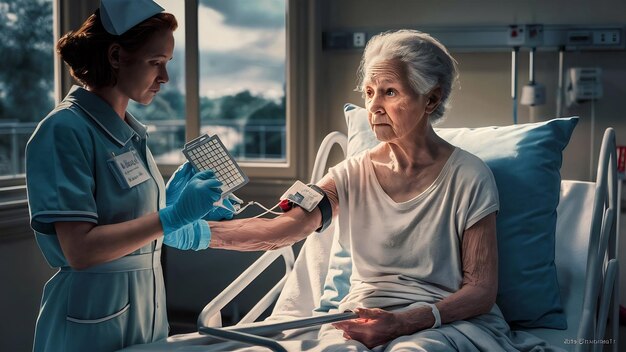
pixel 479 288
pixel 86 245
pixel 468 302
pixel 257 234
pixel 267 234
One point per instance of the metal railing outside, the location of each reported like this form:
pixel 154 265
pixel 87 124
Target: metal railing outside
pixel 13 138
pixel 263 141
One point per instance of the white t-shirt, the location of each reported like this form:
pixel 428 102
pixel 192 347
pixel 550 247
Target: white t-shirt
pixel 407 252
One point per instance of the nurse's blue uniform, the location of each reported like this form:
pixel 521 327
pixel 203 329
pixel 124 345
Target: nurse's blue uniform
pixel 118 303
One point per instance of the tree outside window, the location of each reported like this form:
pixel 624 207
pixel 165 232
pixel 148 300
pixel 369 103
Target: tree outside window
pixel 26 76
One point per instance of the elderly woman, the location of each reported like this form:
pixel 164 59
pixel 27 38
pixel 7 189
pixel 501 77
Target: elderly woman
pixel 416 215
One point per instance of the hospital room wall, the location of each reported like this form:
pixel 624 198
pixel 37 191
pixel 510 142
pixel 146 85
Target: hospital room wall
pixel 485 77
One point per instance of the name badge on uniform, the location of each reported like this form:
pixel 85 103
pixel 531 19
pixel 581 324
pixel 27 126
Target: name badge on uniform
pixel 129 169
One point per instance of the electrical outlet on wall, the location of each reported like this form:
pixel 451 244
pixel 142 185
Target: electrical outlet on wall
pixel 606 37
pixel 358 39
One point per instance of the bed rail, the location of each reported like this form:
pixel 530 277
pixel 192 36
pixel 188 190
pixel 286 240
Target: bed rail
pixel 211 313
pixel 601 296
pixel 321 159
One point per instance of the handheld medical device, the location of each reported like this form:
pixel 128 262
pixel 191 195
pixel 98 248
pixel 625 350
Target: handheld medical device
pixel 208 152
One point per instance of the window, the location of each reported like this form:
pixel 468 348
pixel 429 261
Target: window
pixel 241 81
pixel 26 76
pixel 236 87
pixel 242 47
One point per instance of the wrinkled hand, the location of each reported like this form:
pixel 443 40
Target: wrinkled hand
pixel 194 202
pixel 177 182
pixel 373 327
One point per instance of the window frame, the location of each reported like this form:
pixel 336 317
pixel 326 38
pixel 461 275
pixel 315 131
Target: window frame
pixel 296 93
pixel 69 14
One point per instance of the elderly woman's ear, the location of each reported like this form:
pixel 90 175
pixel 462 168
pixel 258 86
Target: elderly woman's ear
pixel 434 99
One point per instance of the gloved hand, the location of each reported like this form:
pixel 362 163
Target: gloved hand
pixel 177 182
pixel 194 202
pixel 226 211
pixel 196 236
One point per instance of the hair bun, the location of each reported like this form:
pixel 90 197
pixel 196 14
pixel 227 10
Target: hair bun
pixel 71 47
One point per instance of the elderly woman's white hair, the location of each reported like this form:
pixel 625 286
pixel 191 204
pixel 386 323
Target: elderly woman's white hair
pixel 427 61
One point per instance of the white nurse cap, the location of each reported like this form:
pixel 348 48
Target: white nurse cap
pixel 118 16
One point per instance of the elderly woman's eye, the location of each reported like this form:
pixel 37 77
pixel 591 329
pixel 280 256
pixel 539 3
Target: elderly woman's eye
pixel 390 92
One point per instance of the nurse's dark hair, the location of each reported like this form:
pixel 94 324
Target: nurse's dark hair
pixel 85 51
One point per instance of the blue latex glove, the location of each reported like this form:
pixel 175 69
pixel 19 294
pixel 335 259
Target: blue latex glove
pixel 177 182
pixel 196 236
pixel 226 211
pixel 194 202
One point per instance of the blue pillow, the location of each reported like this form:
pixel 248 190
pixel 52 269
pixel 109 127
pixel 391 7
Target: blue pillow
pixel 525 160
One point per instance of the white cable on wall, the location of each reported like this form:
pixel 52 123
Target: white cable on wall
pixel 592 141
pixel 559 91
pixel 514 82
pixel 531 81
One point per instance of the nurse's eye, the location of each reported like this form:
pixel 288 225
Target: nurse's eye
pixel 155 63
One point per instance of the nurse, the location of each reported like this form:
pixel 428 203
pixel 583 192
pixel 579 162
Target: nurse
pixel 96 198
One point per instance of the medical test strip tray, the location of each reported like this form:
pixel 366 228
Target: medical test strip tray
pixel 208 152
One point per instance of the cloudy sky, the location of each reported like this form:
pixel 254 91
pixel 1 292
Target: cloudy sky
pixel 242 45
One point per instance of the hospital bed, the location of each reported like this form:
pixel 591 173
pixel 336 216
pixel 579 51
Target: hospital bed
pixel 585 258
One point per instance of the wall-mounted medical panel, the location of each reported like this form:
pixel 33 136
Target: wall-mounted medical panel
pixel 496 38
